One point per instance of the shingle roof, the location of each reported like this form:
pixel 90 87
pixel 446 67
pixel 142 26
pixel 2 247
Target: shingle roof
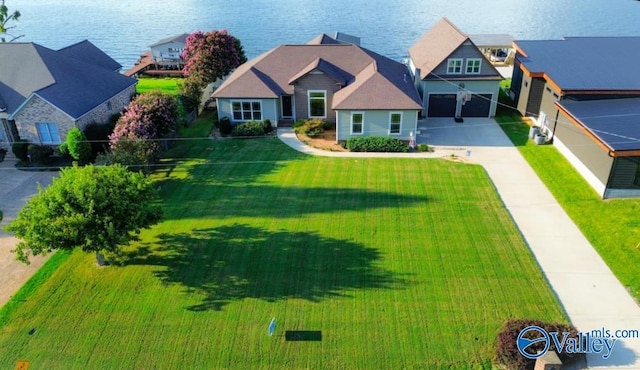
pixel 435 46
pixel 182 38
pixel 372 81
pixel 323 39
pixel 585 63
pixel 615 122
pixel 89 53
pixel 72 85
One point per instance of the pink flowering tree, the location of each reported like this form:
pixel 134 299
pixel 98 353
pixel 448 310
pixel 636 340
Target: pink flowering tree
pixel 148 118
pixel 208 57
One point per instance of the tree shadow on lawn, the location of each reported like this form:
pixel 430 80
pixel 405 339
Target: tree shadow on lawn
pixel 225 201
pixel 231 263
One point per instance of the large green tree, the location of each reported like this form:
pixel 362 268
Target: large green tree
pixel 6 17
pixel 98 209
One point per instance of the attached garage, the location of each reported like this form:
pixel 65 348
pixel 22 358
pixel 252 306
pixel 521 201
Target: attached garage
pixel 478 106
pixel 444 105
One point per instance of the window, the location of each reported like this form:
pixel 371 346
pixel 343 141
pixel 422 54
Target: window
pixel 454 66
pixel 357 123
pixel 48 133
pixel 317 103
pixel 395 123
pixel 473 66
pixel 247 110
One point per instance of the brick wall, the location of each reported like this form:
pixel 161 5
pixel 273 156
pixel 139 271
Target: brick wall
pixel 38 110
pixel 102 112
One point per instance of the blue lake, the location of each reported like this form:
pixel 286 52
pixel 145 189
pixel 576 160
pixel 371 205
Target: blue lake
pixel 124 29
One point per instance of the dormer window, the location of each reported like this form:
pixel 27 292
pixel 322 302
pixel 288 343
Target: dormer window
pixel 454 66
pixel 473 66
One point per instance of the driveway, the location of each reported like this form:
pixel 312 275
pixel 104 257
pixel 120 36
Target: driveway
pixel 16 187
pixel 590 294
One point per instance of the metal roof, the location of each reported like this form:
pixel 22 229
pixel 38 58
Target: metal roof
pixel 615 122
pixel 585 63
pixel 492 40
pixel 182 38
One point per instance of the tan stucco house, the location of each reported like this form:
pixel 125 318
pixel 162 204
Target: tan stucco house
pixel 44 93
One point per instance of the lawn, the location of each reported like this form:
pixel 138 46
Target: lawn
pixel 611 226
pixel 166 85
pixel 378 263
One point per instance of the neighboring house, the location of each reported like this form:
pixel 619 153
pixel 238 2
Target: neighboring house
pixel 444 61
pixel 585 93
pixel 167 52
pixel 44 93
pixel 364 93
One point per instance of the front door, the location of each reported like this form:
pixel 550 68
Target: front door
pixel 287 106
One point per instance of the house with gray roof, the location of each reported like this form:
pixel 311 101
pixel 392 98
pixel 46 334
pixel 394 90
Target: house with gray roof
pixel 584 93
pixel 169 50
pixel 362 92
pixel 44 92
pixel 445 63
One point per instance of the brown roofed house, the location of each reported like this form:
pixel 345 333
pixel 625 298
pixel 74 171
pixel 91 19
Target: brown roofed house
pixel 364 93
pixel 445 61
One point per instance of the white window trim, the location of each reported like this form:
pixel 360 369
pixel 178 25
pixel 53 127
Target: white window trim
pixel 401 118
pixel 468 64
pixel 54 140
pixel 351 124
pixel 309 92
pixel 449 70
pixel 251 101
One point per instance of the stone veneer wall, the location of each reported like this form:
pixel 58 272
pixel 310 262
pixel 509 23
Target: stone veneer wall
pixel 38 110
pixel 101 113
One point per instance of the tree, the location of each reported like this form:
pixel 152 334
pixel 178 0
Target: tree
pixel 78 146
pixel 97 209
pixel 209 56
pixel 147 119
pixel 6 17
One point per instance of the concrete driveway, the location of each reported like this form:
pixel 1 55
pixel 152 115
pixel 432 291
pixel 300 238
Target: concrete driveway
pixel 16 187
pixel 473 132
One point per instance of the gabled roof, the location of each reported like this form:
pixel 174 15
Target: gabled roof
pixel 323 39
pixel 584 63
pixel 182 38
pixel 613 122
pixel 372 81
pixel 497 40
pixel 73 85
pixel 325 67
pixel 435 46
pixel 89 53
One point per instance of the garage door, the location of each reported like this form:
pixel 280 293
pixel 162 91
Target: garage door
pixel 442 105
pixel 478 106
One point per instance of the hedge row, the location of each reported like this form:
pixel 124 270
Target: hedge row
pixel 376 144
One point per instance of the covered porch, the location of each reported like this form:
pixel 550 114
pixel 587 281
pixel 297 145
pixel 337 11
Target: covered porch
pixel 497 48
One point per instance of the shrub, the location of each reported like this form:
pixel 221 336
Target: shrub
pixel 98 135
pixel 63 150
pixel 136 155
pixel 299 123
pixel 424 148
pixel 40 153
pixel 225 126
pixel 326 125
pixel 78 146
pixel 507 353
pixel 251 128
pixel 376 144
pixel 268 128
pixel 20 149
pixel 310 127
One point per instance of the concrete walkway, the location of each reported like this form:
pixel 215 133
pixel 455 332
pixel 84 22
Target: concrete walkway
pixel 591 295
pixel 16 187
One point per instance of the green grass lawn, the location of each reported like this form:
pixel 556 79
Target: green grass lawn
pixel 398 263
pixel 611 226
pixel 166 85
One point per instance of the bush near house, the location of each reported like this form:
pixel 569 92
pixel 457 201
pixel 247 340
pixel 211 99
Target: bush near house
pixel 20 149
pixel 424 148
pixel 508 355
pixel 251 128
pixel 40 153
pixel 98 135
pixel 78 146
pixel 225 126
pixel 310 127
pixel 376 144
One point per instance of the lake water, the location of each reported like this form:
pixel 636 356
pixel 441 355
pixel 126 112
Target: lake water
pixel 125 28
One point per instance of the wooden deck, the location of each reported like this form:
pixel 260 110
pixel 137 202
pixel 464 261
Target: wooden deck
pixel 147 65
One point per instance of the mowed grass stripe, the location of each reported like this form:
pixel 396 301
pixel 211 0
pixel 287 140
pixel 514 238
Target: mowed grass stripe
pixel 399 263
